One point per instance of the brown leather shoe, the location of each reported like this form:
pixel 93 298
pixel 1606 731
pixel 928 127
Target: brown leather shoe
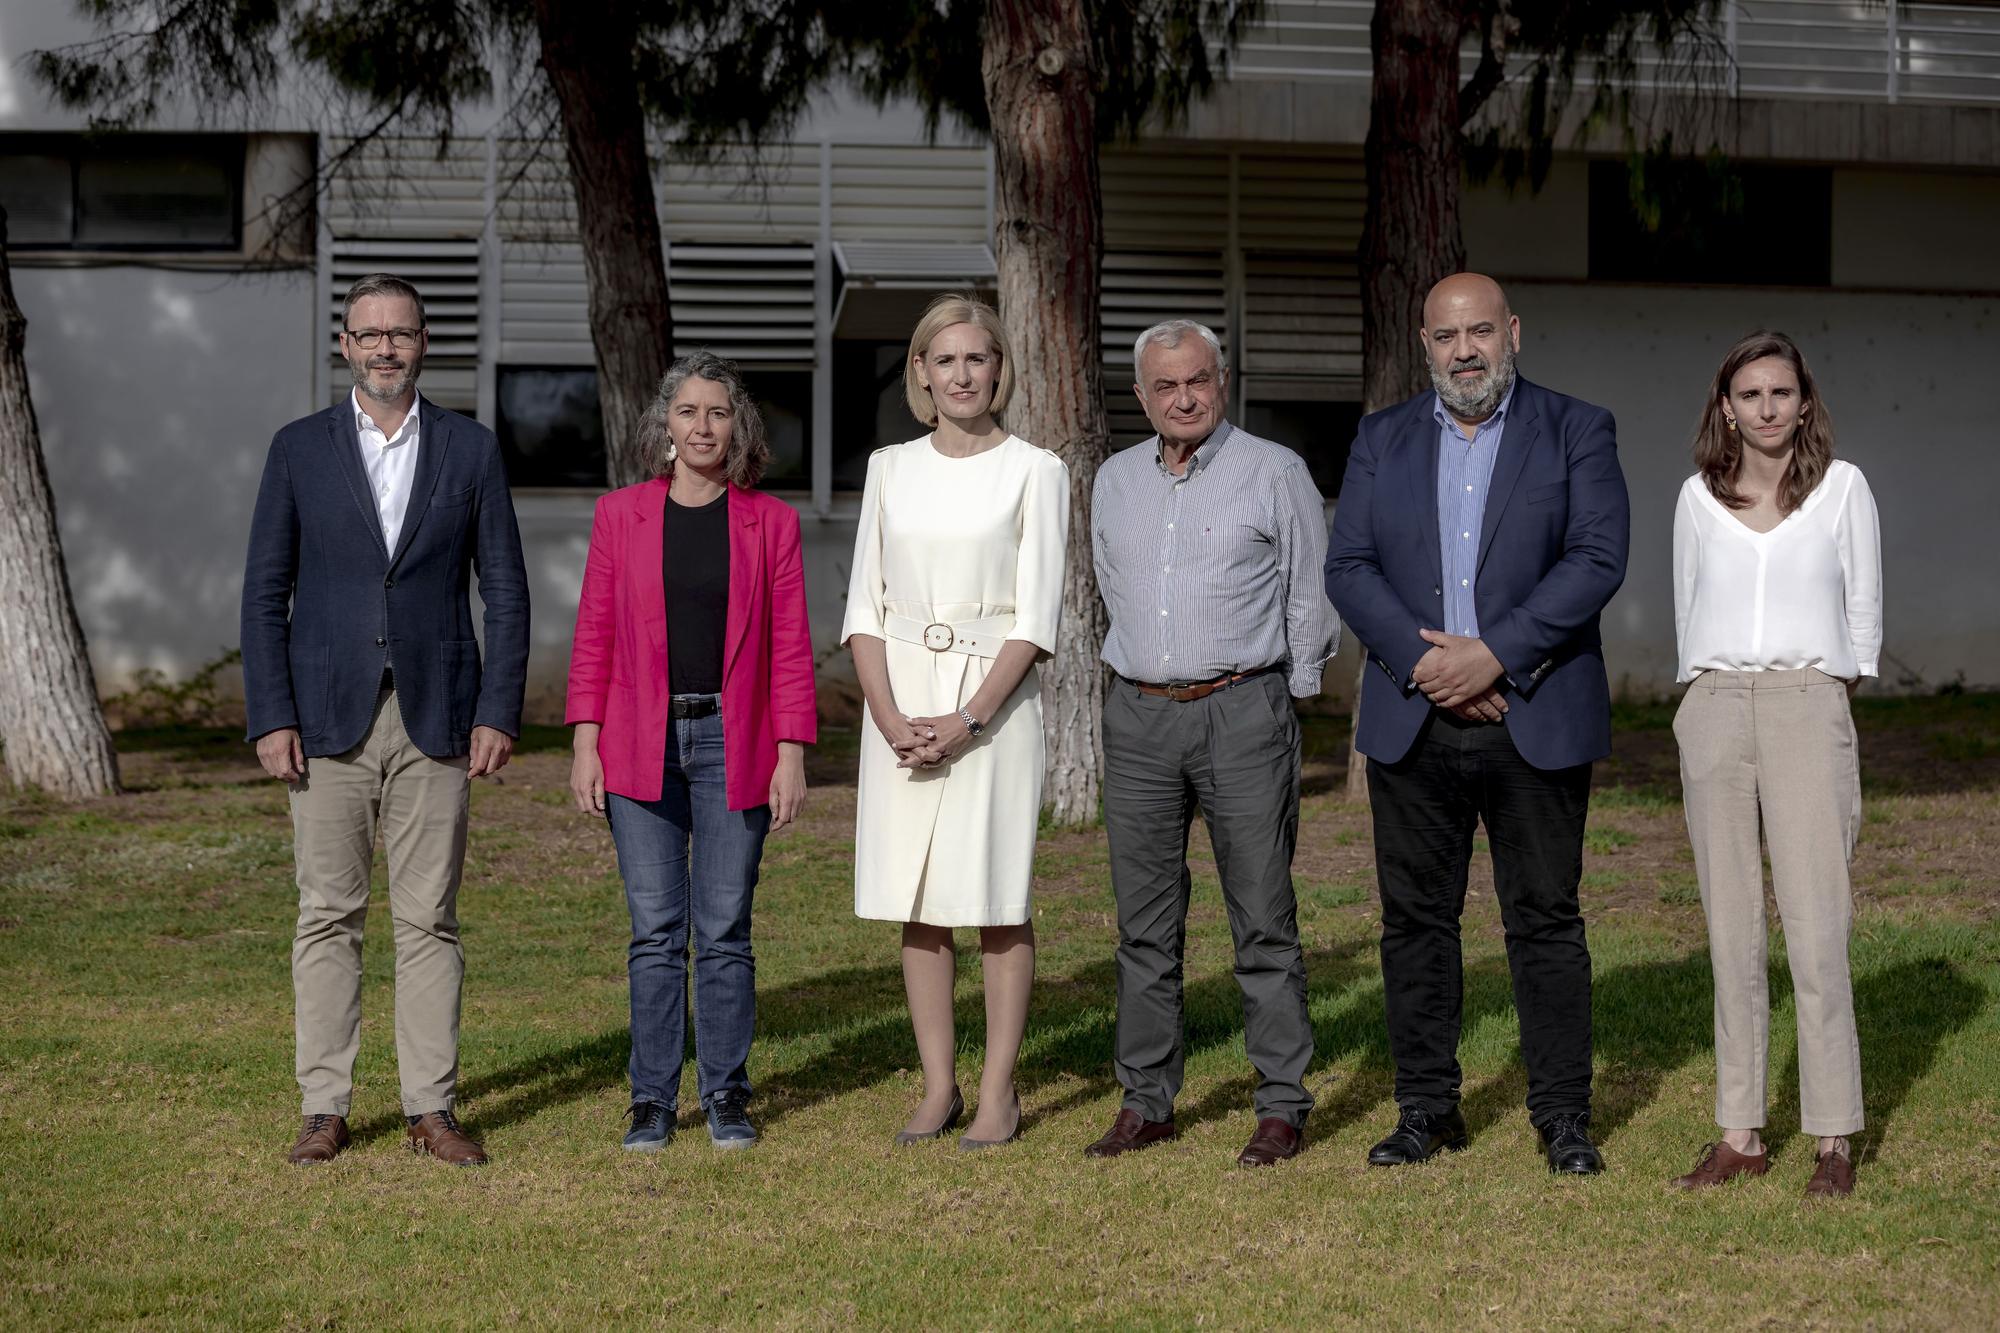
pixel 321 1137
pixel 1274 1142
pixel 1833 1178
pixel 1131 1132
pixel 1721 1164
pixel 437 1134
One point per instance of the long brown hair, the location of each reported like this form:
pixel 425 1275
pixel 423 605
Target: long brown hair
pixel 1718 449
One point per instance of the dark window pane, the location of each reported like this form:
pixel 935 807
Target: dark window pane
pixel 166 195
pixel 551 430
pixel 35 191
pixel 1321 433
pixel 869 409
pixel 1702 222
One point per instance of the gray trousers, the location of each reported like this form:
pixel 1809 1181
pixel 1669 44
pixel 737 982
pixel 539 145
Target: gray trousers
pixel 1234 754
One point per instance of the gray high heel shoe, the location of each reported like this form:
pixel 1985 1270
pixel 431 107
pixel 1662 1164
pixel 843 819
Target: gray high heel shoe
pixel 904 1138
pixel 966 1143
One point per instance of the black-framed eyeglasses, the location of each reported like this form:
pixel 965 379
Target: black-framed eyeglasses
pixel 369 339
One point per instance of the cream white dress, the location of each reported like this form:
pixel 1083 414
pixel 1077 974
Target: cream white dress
pixel 955 539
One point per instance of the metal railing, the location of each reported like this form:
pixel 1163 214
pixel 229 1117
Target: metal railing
pixel 1872 50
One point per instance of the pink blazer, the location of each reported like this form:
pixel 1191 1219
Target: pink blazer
pixel 618 660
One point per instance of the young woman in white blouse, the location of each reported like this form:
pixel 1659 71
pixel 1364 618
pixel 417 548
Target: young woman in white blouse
pixel 955 596
pixel 1778 614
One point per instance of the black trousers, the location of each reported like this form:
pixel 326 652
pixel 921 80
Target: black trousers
pixel 1426 806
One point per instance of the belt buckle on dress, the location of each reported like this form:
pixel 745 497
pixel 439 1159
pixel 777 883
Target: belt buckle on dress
pixel 939 637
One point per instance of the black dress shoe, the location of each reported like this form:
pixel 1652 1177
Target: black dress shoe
pixel 1566 1139
pixel 1419 1135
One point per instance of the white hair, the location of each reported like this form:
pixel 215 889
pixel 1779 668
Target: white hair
pixel 1169 333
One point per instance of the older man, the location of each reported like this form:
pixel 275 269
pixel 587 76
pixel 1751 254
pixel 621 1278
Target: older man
pixel 1208 544
pixel 1481 529
pixel 366 696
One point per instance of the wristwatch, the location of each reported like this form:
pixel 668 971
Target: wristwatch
pixel 973 725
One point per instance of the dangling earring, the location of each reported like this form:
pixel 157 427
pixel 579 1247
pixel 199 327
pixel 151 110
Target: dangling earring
pixel 674 450
pixel 1730 420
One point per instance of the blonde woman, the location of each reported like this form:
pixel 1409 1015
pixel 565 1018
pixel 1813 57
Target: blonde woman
pixel 1778 615
pixel 956 591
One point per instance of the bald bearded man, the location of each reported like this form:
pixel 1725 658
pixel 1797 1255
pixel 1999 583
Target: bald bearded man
pixel 1481 528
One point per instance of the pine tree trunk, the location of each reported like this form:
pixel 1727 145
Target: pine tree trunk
pixel 1410 236
pixel 587 52
pixel 50 719
pixel 1048 238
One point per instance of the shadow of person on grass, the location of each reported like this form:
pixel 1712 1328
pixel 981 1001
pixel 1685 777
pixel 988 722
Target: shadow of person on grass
pixel 1904 1013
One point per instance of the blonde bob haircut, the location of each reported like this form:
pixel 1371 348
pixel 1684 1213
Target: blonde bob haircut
pixel 944 311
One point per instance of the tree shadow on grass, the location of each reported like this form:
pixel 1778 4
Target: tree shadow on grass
pixel 1904 1013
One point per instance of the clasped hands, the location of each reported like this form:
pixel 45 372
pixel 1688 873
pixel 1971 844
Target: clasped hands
pixel 1458 675
pixel 926 742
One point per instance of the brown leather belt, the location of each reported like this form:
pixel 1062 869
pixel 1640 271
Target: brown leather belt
pixel 1187 694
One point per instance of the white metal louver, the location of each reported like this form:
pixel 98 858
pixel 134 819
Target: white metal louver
pixel 750 303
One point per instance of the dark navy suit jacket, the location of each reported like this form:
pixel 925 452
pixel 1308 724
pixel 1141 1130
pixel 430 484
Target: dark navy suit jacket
pixel 326 604
pixel 1551 554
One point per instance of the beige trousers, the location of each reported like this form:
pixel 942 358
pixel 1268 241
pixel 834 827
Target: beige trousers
pixel 420 805
pixel 1779 744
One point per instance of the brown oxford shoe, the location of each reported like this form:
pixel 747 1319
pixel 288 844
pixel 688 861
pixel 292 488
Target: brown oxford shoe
pixel 1274 1142
pixel 321 1137
pixel 1833 1178
pixel 1131 1132
pixel 1721 1164
pixel 436 1134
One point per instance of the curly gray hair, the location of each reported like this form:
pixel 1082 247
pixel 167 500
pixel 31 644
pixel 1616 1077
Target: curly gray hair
pixel 749 448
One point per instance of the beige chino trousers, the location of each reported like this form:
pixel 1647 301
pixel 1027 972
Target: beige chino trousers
pixel 419 803
pixel 1779 745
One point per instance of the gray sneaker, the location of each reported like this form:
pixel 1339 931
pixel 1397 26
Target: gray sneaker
pixel 728 1123
pixel 652 1127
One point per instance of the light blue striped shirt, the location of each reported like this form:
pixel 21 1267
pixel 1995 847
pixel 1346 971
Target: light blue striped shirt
pixel 1217 570
pixel 1465 474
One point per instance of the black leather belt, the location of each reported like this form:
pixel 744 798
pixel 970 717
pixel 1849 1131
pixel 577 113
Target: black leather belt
pixel 694 705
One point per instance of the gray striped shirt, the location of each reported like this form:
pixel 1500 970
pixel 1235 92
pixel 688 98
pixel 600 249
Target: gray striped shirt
pixel 1214 571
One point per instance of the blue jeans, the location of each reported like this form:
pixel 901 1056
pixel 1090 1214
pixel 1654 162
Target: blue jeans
pixel 688 859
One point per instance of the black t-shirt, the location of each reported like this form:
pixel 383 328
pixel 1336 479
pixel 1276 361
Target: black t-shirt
pixel 695 570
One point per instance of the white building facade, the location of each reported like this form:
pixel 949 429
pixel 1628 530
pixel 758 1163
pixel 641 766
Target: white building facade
pixel 1867 149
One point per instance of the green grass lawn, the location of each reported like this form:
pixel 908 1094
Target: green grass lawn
pixel 146 1095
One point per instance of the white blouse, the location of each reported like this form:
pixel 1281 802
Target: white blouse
pixel 1808 593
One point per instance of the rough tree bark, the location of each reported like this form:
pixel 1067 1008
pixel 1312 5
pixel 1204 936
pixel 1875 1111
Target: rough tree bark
pixel 1036 63
pixel 50 719
pixel 1410 234
pixel 587 54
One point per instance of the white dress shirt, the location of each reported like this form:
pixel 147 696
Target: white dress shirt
pixel 1808 593
pixel 391 464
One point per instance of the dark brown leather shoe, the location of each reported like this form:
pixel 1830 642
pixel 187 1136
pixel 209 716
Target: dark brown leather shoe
pixel 1131 1132
pixel 1274 1142
pixel 1721 1164
pixel 321 1137
pixel 1833 1178
pixel 436 1134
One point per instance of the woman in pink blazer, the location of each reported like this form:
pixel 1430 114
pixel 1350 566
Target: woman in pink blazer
pixel 691 691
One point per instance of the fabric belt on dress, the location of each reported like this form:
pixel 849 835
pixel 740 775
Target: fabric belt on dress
pixel 976 638
pixel 693 705
pixel 1185 694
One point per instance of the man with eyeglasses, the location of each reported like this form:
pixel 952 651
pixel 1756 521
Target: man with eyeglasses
pixel 366 695
pixel 1208 544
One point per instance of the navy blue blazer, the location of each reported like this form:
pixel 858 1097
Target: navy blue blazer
pixel 326 604
pixel 1551 554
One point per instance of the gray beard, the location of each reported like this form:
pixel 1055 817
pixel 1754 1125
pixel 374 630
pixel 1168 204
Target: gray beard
pixel 363 385
pixel 1474 405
